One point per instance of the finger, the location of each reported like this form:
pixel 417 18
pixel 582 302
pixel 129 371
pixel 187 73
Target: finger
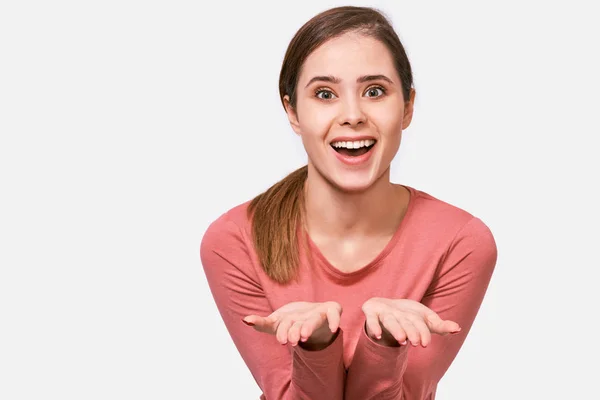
pixel 394 327
pixel 451 327
pixel 412 333
pixel 373 327
pixel 282 330
pixel 333 318
pixel 260 324
pixel 434 323
pixel 294 333
pixel 310 325
pixel 439 326
pixel 423 331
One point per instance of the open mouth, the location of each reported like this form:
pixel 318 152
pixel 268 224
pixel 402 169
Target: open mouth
pixel 354 149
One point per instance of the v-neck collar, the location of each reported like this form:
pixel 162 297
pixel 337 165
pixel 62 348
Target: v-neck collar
pixel 350 277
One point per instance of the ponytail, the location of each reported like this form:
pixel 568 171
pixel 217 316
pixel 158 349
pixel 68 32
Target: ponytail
pixel 276 216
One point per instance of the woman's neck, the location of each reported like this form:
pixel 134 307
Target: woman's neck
pixel 334 213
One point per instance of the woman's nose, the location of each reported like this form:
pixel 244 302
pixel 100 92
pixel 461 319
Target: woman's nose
pixel 351 112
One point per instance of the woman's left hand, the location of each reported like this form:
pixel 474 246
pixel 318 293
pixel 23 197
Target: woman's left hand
pixel 393 321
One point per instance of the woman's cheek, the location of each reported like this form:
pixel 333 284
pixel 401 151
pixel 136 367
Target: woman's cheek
pixel 389 123
pixel 317 123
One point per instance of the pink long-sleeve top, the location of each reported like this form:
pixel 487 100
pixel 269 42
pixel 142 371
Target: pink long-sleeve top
pixel 440 255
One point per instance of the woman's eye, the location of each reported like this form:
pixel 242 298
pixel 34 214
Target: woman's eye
pixel 325 94
pixel 375 92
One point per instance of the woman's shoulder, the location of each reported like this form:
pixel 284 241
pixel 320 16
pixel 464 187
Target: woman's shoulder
pixel 226 249
pixel 443 216
pixel 458 232
pixel 224 246
pixel 234 221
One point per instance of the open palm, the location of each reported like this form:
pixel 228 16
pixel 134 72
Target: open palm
pixel 314 323
pixel 398 320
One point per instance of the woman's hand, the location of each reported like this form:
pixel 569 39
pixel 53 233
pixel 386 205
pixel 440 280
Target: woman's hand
pixel 313 324
pixel 396 321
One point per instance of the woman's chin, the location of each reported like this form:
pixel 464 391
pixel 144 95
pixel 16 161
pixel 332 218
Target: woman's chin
pixel 350 181
pixel 353 183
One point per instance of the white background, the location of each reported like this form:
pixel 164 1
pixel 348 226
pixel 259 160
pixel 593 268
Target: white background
pixel 128 126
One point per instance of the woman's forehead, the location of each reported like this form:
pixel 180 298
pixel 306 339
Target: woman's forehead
pixel 348 57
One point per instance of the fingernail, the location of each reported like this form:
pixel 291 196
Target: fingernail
pixel 403 343
pixel 247 323
pixel 455 332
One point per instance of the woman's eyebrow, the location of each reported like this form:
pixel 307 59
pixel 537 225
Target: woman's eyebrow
pixel 362 79
pixel 368 78
pixel 324 78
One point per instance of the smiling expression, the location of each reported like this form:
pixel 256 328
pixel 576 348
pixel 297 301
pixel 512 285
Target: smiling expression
pixel 350 111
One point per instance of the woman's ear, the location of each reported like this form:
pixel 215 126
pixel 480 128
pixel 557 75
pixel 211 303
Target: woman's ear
pixel 408 109
pixel 292 115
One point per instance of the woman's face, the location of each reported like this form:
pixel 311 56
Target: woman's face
pixel 350 111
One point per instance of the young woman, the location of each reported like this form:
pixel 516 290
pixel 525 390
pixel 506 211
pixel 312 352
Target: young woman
pixel 408 270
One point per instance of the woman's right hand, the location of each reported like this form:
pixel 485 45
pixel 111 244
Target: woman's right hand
pixel 313 324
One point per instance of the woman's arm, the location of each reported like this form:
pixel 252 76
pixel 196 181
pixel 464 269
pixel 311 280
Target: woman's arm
pixel 385 372
pixel 282 372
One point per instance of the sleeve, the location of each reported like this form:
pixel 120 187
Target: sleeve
pixel 456 293
pixel 282 372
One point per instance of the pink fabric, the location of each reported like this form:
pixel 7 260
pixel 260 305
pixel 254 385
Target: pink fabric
pixel 441 256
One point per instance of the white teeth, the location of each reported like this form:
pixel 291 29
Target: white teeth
pixel 353 145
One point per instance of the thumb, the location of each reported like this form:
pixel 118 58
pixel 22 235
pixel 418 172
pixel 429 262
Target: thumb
pixel 439 326
pixel 261 324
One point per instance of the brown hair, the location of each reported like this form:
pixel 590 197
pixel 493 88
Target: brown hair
pixel 277 213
